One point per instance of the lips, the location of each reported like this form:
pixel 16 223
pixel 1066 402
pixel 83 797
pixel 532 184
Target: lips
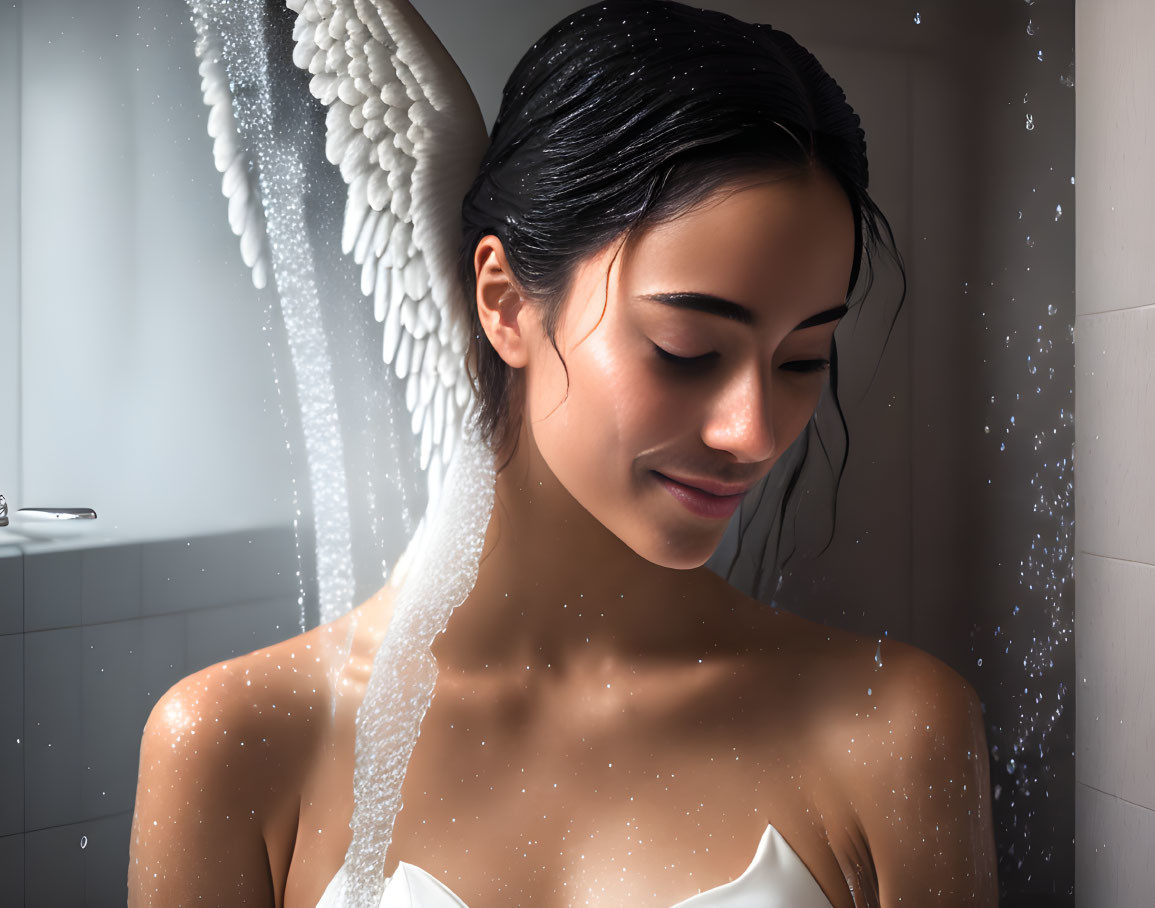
pixel 699 501
pixel 709 486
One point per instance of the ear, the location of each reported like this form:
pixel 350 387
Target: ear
pixel 505 316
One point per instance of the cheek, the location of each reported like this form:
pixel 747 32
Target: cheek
pixel 615 411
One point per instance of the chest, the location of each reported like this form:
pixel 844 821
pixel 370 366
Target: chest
pixel 648 793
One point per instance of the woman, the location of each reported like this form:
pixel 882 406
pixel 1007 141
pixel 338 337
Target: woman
pixel 666 228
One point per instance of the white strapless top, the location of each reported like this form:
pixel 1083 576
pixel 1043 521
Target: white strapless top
pixel 776 878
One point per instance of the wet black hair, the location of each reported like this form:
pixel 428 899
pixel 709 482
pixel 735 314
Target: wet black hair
pixel 628 113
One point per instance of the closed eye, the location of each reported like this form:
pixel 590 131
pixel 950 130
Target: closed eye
pixel 800 365
pixel 807 365
pixel 667 356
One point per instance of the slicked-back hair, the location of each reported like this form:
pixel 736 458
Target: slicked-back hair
pixel 626 114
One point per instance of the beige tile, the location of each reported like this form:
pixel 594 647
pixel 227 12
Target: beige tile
pixel 1114 180
pixel 1115 677
pixel 1113 866
pixel 1115 434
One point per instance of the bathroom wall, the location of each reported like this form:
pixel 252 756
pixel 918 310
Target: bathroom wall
pixel 10 78
pixel 90 637
pixel 1115 439
pixel 136 379
pixel 135 367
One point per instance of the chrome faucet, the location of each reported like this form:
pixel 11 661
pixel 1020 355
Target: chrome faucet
pixel 47 513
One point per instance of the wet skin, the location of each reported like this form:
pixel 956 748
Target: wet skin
pixel 612 722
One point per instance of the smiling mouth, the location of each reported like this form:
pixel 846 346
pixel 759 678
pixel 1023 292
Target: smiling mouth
pixel 698 501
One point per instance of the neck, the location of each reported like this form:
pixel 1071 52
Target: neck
pixel 555 588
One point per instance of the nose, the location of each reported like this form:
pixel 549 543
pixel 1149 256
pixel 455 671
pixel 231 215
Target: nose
pixel 741 420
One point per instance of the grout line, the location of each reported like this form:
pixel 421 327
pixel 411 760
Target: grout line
pixel 1116 797
pixel 1143 308
pixel 96 819
pixel 1115 558
pixel 199 610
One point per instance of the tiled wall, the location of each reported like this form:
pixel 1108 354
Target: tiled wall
pixel 1115 470
pixel 89 640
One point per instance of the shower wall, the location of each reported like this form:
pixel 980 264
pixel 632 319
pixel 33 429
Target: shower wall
pixel 135 379
pixel 9 247
pixel 1115 441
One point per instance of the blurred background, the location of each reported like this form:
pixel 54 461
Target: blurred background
pixel 142 376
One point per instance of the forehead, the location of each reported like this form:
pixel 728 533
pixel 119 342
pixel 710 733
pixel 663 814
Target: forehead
pixel 784 243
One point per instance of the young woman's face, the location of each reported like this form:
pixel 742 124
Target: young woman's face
pixel 731 288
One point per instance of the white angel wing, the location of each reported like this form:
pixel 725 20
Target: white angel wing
pixel 406 131
pixel 246 214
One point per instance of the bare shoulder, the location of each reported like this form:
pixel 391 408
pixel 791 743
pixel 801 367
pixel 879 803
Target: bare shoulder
pixel 222 757
pixel 912 754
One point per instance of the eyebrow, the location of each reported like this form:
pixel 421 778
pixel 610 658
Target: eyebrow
pixel 715 305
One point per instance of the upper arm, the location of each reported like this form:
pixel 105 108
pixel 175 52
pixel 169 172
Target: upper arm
pixel 924 797
pixel 196 828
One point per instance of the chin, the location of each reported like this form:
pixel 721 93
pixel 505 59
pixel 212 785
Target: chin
pixel 678 551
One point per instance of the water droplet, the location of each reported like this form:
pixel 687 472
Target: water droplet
pixel 917 19
pixel 83 842
pixel 1030 122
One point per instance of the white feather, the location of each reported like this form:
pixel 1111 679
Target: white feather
pixel 439 413
pixel 369 277
pixel 380 292
pixel 404 348
pixel 381 234
pixel 260 273
pixel 449 362
pixel 364 238
pixel 305 50
pixel 411 392
pixel 416 280
pixel 450 439
pixel 252 241
pixel 378 189
pixel 427 310
pixel 408 309
pixel 356 208
pixel 461 390
pixel 419 347
pixel 426 444
pixel 393 330
pixel 245 212
pixel 324 87
pixel 406 133
pixel 432 352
